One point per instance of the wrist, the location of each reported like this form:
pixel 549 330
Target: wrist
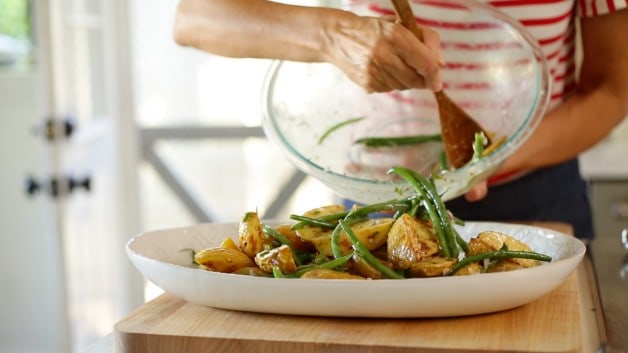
pixel 336 26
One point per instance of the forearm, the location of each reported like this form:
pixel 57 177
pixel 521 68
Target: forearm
pixel 373 51
pixel 569 130
pixel 255 28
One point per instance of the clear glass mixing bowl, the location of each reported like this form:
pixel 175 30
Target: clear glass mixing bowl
pixel 494 70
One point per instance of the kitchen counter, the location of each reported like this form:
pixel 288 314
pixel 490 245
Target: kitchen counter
pixel 608 160
pixel 610 257
pixel 605 166
pixel 610 262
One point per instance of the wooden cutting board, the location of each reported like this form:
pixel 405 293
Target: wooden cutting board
pixel 167 324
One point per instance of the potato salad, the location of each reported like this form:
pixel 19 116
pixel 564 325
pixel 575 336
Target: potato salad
pixel 411 237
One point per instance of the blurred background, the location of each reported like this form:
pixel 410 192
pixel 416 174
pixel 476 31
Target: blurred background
pixel 110 129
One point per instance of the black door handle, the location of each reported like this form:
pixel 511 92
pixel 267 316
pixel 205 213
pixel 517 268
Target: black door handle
pixel 56 186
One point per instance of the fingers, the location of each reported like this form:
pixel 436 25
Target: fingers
pixel 477 192
pixel 381 55
pixel 431 39
pixel 392 73
pixel 399 60
pixel 424 57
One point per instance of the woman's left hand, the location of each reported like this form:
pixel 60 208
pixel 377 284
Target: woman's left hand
pixel 477 192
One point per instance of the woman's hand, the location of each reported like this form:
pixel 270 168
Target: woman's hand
pixel 375 52
pixel 379 54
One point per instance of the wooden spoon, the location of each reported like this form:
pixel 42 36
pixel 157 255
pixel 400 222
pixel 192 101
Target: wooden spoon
pixel 457 127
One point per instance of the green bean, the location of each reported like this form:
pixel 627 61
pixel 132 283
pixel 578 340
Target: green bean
pixel 326 218
pixel 500 255
pixel 392 205
pixel 360 214
pixel 414 209
pixel 363 252
pixel 458 221
pixel 355 215
pixel 328 265
pixel 442 213
pixel 397 141
pixel 313 221
pixel 429 206
pixel 438 227
pixel 335 236
pixel 272 232
pixel 336 127
pixel 461 242
pixel 335 242
pixel 277 272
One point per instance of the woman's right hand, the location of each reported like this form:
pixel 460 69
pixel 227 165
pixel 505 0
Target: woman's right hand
pixel 379 54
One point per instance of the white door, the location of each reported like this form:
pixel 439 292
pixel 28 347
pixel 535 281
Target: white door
pixel 68 277
pixel 33 303
pixel 90 84
pixel 32 292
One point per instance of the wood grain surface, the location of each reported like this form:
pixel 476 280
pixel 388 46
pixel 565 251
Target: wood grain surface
pixel 552 323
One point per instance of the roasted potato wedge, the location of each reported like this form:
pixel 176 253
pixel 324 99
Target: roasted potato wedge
pixel 251 271
pixel 317 236
pixel 505 265
pixel 221 259
pixel 372 233
pixel 470 269
pixel 307 233
pixel 364 269
pixel 294 239
pixel 324 211
pixel 496 240
pixel 432 267
pixel 251 235
pixel 476 246
pixel 280 257
pixel 324 273
pixel 410 240
pixel 228 243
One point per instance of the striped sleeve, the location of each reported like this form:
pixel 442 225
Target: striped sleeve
pixel 590 8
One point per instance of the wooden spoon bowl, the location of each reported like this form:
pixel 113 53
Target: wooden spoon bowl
pixel 457 127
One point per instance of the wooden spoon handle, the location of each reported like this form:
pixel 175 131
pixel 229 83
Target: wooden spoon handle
pixel 406 17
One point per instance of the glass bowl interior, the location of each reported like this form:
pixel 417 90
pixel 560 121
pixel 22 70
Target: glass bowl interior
pixel 494 70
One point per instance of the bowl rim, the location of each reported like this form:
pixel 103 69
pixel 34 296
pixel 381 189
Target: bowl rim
pixel 495 158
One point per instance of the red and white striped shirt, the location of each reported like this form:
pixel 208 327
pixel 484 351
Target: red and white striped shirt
pixel 552 23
